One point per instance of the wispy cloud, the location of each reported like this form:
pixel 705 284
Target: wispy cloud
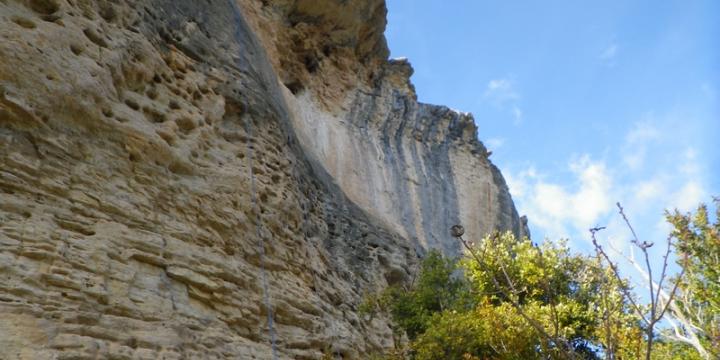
pixel 503 94
pixel 609 52
pixel 647 190
pixel 609 55
pixel 688 196
pixel 637 140
pixel 692 191
pixel 495 143
pixel 562 209
pixel 642 131
pixel 517 115
pixel 654 173
pixel 500 91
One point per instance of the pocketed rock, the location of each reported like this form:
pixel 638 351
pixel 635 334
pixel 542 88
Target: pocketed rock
pixel 132 134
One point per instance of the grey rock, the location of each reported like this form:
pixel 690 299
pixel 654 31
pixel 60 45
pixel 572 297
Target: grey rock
pixel 131 135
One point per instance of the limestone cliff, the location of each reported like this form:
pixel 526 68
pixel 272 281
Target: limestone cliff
pixel 169 168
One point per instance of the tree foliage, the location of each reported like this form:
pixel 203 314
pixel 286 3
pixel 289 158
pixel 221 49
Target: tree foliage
pixel 481 309
pixel 699 238
pixel 437 288
pixel 509 299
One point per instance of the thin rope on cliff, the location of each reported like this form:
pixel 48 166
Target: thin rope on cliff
pixel 261 241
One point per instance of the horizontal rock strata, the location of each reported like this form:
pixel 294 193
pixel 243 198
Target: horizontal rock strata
pixel 159 158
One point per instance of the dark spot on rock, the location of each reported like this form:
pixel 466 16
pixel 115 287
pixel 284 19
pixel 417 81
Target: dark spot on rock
pixel 180 168
pixel 107 12
pixel 152 93
pixel 45 6
pixel 327 50
pixel 76 49
pixel 154 115
pixel 311 64
pixel 107 112
pixel 132 104
pixel 174 105
pixel 295 87
pixel 96 38
pixel 24 22
pixel 186 124
pixel 50 18
pixel 168 78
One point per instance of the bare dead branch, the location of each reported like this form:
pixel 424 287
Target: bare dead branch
pixel 658 308
pixel 665 264
pixel 601 252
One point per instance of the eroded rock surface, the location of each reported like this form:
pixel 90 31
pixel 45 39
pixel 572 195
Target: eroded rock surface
pixel 132 134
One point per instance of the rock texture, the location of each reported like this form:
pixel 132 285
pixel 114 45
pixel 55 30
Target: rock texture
pixel 160 158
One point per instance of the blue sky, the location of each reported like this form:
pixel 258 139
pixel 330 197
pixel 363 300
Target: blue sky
pixel 583 103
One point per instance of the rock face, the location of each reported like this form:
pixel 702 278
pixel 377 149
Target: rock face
pixel 174 171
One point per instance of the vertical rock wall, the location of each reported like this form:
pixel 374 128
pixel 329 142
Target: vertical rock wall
pixel 130 134
pixel 418 167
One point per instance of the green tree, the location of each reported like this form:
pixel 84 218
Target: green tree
pixel 674 350
pixel 511 300
pixel 697 308
pixel 565 298
pixel 438 288
pixel 486 332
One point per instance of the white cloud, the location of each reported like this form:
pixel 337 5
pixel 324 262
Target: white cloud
pixel 502 84
pixel 635 159
pixel 502 93
pixel 592 198
pixel 609 55
pixel 517 115
pixel 561 209
pixel 658 167
pixel 689 163
pixel 688 196
pixel 637 140
pixel 495 143
pixel 518 184
pixel 649 190
pixel 642 131
pixel 610 52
